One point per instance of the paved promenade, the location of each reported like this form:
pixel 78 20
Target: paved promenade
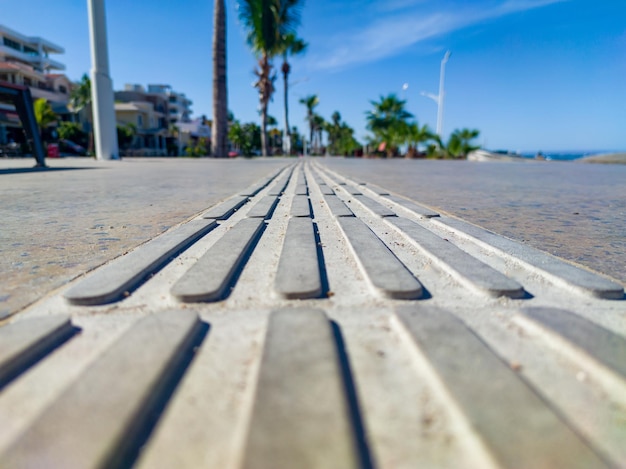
pixel 312 313
pixel 572 210
pixel 58 224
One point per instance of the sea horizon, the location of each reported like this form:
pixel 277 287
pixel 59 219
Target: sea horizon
pixel 566 155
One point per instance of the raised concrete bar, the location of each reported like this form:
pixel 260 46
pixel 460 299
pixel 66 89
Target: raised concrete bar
pixel 601 344
pixel 375 207
pixel 300 382
pixel 326 190
pixel 209 278
pixel 464 267
pixel 298 274
pixel 23 342
pixel 376 189
pixel 257 187
pixel 263 208
pixel 110 282
pixel 554 268
pixel 300 206
pixel 353 190
pixel 386 273
pixel 412 206
pixel 225 209
pixel 515 424
pixel 302 189
pixel 97 421
pixel 279 187
pixel 337 207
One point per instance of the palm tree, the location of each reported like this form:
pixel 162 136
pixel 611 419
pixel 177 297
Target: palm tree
pixel 311 103
pixel 388 122
pixel 272 122
pixel 266 22
pixel 341 139
pixel 319 125
pixel 464 138
pixel 44 115
pixel 219 130
pixel 290 46
pixel 333 129
pixel 416 135
pixel 80 98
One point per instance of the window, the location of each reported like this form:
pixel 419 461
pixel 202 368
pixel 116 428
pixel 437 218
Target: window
pixel 28 81
pixel 4 77
pixel 30 51
pixel 12 44
pixel 63 89
pixel 140 121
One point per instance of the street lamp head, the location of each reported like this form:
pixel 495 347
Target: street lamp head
pixel 405 86
pixel 447 56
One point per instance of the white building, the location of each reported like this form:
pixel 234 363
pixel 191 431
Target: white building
pixel 25 61
pixel 29 50
pixel 179 106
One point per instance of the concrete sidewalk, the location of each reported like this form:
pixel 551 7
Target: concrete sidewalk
pixel 61 222
pixel 574 211
pixel 296 314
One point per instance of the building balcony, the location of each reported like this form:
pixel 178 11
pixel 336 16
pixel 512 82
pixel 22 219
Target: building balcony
pixel 33 59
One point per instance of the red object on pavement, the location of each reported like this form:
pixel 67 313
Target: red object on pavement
pixel 53 151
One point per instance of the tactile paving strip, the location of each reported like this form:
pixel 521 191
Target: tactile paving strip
pixel 315 321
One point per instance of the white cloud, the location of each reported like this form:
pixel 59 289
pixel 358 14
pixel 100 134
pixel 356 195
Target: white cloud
pixel 386 36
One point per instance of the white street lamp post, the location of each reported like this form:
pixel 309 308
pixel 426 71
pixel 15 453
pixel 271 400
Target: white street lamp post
pixel 440 97
pixel 101 85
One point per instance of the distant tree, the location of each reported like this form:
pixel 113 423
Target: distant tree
pixel 80 98
pixel 266 22
pixel 416 135
pixel 296 140
pixel 44 115
pixel 463 141
pixel 333 129
pixel 290 45
pixel 388 121
pixel 73 132
pixel 125 134
pixel 319 125
pixel 219 130
pixel 246 137
pixel 272 132
pixel 341 139
pixel 458 145
pixel 310 102
pixel 200 148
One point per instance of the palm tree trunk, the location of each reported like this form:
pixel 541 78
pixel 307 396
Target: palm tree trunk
pixel 219 134
pixel 264 142
pixel 265 93
pixel 286 81
pixel 311 131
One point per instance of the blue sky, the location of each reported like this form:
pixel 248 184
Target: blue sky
pixel 529 74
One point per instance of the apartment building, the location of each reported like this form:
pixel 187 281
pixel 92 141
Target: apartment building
pixel 26 61
pixel 29 50
pixel 152 111
pixel 179 106
pixel 148 114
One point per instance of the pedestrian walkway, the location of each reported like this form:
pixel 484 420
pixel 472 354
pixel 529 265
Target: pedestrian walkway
pixel 310 319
